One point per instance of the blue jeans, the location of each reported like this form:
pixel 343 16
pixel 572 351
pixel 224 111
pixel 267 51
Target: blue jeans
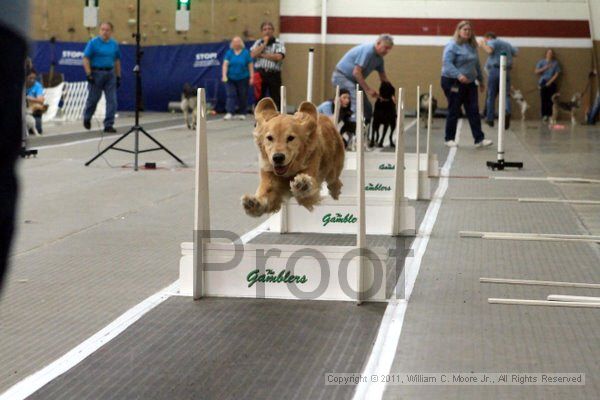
pixel 459 94
pixel 237 96
pixel 492 92
pixel 104 81
pixel 38 123
pixel 593 114
pixel 344 83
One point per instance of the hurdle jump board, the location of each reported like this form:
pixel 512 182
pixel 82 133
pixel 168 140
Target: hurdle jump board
pixel 381 161
pixel 319 274
pixel 341 216
pixel 381 183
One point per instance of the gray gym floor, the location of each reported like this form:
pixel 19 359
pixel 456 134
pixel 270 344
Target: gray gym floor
pixel 95 241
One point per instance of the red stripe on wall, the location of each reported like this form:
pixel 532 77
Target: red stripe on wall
pixel 436 27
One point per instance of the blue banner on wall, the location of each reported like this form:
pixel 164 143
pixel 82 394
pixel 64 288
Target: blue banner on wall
pixel 165 69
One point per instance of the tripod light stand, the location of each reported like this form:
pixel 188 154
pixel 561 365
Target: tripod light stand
pixel 136 128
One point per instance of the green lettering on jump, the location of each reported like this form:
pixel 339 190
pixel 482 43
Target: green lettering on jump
pixel 271 277
pixel 378 187
pixel 339 219
pixel 387 166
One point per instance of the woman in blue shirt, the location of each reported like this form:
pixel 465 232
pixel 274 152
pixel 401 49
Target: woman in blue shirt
pixel 548 70
pixel 237 75
pixel 460 70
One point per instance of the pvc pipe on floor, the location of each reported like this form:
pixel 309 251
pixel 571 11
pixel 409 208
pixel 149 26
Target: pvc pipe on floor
pixel 577 299
pixel 540 283
pixel 525 236
pixel 526 302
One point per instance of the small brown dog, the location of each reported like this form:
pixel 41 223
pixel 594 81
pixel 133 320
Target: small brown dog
pixel 297 154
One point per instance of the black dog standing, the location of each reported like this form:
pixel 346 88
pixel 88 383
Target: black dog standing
pixel 384 115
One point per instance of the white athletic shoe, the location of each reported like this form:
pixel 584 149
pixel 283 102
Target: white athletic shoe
pixel 484 143
pixel 228 117
pixel 451 143
pixel 241 117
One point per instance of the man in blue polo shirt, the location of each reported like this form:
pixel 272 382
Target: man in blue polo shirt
pixel 102 65
pixel 356 65
pixel 495 48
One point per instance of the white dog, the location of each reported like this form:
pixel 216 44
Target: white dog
pixel 518 97
pixel 30 123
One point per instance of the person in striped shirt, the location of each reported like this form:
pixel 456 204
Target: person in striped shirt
pixel 269 53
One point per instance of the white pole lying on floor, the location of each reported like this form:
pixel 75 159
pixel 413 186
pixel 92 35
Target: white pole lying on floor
pixel 529 236
pixel 540 283
pixel 283 216
pixel 336 106
pixel 568 201
pixel 309 83
pixel 429 118
pixel 399 171
pixel 418 140
pixel 579 299
pixel 361 234
pixel 527 302
pixel 201 198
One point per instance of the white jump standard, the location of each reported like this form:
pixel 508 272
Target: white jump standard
pixel 500 164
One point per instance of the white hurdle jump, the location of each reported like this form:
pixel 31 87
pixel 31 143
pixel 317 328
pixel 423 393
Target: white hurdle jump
pixel 274 271
pixel 386 214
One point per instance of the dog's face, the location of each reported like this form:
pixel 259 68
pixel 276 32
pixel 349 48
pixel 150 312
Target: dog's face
pixel 424 102
pixel 386 90
pixel 188 91
pixel 285 142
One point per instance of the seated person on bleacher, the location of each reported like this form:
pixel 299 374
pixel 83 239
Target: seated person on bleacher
pixel 35 98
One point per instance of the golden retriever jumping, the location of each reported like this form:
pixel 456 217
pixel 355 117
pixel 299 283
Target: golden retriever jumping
pixel 297 154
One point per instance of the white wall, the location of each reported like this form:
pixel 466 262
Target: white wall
pixel 545 11
pixel 461 9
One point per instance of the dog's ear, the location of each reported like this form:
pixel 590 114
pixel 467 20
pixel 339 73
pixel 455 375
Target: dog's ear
pixel 309 108
pixel 308 115
pixel 265 110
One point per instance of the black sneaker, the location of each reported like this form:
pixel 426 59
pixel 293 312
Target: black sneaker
pixel 507 121
pixel 489 123
pixel 87 124
pixel 110 129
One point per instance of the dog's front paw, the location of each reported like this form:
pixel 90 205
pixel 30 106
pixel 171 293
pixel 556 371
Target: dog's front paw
pixel 253 206
pixel 302 186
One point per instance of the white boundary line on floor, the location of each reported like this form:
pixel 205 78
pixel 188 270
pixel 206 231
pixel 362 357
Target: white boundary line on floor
pixel 384 350
pixel 120 125
pixel 102 137
pixel 112 135
pixel 37 380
